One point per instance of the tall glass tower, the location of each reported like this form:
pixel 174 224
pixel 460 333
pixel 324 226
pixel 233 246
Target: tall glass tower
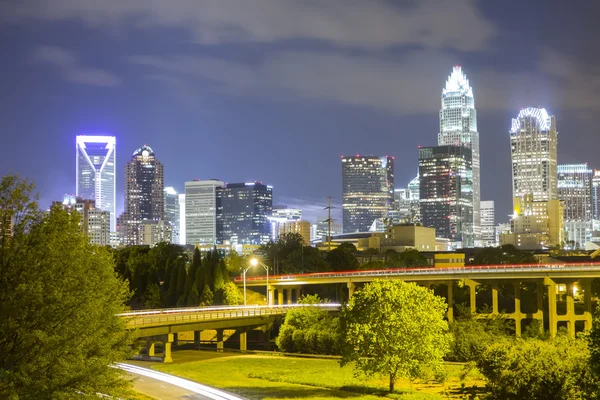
pixel 458 127
pixel 95 173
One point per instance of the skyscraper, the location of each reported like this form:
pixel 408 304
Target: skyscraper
pixel 575 191
pixel 446 193
pixel 367 191
pixel 172 212
pixel 488 224
pixel 242 213
pixel 458 127
pixel 144 194
pixel 95 172
pixel 94 222
pixel 201 211
pixel 533 141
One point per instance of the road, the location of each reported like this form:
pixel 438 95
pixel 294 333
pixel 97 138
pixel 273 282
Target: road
pixel 168 387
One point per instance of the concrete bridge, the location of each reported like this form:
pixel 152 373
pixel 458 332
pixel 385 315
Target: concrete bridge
pixel 554 295
pixel 164 325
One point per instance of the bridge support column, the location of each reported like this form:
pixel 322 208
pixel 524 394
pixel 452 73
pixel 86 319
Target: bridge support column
pixel 243 340
pixel 518 316
pixel 220 342
pixel 197 338
pixel 586 286
pixel 552 317
pixel 450 300
pixel 150 346
pixel 570 310
pixel 494 299
pixel 351 289
pixel 167 348
pixel 540 304
pixel 289 296
pixel 280 296
pixel 472 295
pixel 271 296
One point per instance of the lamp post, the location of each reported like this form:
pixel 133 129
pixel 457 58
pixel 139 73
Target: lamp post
pixel 253 263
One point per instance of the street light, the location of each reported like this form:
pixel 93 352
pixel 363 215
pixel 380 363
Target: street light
pixel 253 263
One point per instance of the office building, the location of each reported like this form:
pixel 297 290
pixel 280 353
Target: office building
pixel 144 194
pixel 406 203
pixel 95 172
pixel 533 141
pixel 94 222
pixel 182 235
pixel 172 213
pixel 535 224
pixel 153 232
pixel 201 211
pixel 446 193
pixel 575 191
pixel 242 213
pixel 281 214
pixel 367 191
pixel 596 201
pixel 296 226
pixel 488 224
pixel 501 229
pixel 458 127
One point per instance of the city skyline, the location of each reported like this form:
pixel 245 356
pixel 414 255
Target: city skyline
pixel 329 91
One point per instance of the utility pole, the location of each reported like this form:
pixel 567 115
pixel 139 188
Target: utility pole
pixel 328 208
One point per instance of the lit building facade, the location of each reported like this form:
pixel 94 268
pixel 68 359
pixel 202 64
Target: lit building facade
pixel 367 191
pixel 322 227
pixel 458 127
pixel 242 213
pixel 446 193
pixel 281 214
pixel 406 202
pixel 172 213
pixel 596 200
pixel 534 144
pixel 94 222
pixel 575 191
pixel 144 194
pixel 182 236
pixel 201 211
pixel 95 164
pixel 153 232
pixel 296 226
pixel 488 224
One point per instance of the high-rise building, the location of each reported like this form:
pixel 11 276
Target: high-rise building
pixel 458 127
pixel 296 226
pixel 533 141
pixel 367 191
pixel 153 232
pixel 282 214
pixel 406 202
pixel 446 193
pixel 575 191
pixel 596 200
pixel 322 227
pixel 182 235
pixel 172 212
pixel 94 222
pixel 488 224
pixel 95 169
pixel 144 194
pixel 242 213
pixel 201 211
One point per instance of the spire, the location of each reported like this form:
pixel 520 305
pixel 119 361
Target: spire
pixel 458 82
pixel 540 114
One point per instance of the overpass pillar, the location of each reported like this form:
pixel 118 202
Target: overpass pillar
pixel 289 295
pixel 220 342
pixel 494 299
pixel 197 338
pixel 271 296
pixel 472 295
pixel 570 309
pixel 280 296
pixel 552 317
pixel 150 345
pixel 351 289
pixel 243 340
pixel 540 304
pixel 167 350
pixel 450 300
pixel 587 302
pixel 518 316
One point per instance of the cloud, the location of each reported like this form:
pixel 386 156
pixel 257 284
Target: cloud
pixel 313 208
pixel 367 25
pixel 71 69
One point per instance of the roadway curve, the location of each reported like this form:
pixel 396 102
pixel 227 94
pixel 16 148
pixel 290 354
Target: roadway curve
pixel 169 387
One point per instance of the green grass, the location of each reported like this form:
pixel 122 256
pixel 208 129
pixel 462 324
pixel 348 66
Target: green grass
pixel 269 377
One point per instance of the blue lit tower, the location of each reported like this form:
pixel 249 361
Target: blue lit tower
pixel 458 127
pixel 95 172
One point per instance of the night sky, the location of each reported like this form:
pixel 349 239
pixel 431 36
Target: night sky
pixel 275 91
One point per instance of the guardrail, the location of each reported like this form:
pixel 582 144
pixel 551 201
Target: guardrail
pixel 146 318
pixel 408 272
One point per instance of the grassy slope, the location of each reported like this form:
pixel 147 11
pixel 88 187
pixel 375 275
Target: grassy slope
pixel 269 377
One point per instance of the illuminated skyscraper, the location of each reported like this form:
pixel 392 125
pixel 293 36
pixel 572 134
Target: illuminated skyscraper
pixel 458 127
pixel 144 194
pixel 575 191
pixel 367 191
pixel 95 170
pixel 201 211
pixel 533 141
pixel 172 213
pixel 488 224
pixel 446 193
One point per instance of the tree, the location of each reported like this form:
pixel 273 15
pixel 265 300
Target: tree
pixel 152 296
pixel 235 262
pixel 342 258
pixel 593 343
pixel 207 297
pixel 181 278
pixel 232 295
pixel 191 275
pixel 507 254
pixel 193 299
pixel 393 328
pixel 59 300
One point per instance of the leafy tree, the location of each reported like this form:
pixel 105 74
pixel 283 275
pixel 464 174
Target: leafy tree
pixel 236 262
pixel 191 275
pixel 152 296
pixel 394 328
pixel 342 258
pixel 536 369
pixel 310 330
pixel 370 252
pixel 232 295
pixel 593 342
pixel 59 296
pixel 207 297
pixel 193 299
pixel 172 289
pixel 181 278
pixel 507 254
pixel 219 282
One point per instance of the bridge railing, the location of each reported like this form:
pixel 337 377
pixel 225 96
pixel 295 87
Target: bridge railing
pixel 146 318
